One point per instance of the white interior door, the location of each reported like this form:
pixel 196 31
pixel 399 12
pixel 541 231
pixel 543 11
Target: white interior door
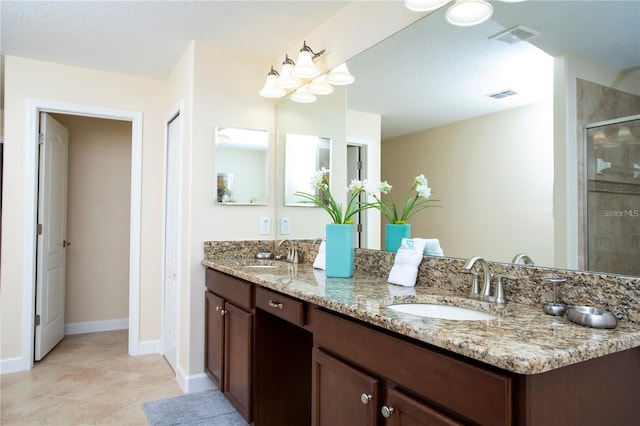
pixel 52 221
pixel 172 242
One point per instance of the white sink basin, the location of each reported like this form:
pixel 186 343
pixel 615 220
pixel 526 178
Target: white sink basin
pixel 442 311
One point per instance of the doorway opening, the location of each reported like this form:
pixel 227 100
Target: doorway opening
pixel 35 108
pixel 94 288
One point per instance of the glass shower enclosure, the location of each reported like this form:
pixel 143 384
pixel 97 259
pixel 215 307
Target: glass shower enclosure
pixel 613 196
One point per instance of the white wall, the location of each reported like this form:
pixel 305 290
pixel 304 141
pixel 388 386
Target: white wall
pixel 28 79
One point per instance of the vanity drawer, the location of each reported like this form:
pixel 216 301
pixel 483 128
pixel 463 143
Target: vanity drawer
pixel 235 290
pixel 282 306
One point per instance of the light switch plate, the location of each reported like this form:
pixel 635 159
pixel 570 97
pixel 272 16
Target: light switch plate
pixel 285 226
pixel 265 225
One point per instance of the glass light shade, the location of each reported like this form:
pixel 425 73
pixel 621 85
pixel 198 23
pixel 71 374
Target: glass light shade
pixel 286 80
pixel 305 68
pixel 624 134
pixel 424 5
pixel 466 13
pixel 319 86
pixel 301 95
pixel 270 90
pixel 340 76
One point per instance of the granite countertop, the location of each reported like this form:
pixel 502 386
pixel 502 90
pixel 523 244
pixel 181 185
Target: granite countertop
pixel 522 339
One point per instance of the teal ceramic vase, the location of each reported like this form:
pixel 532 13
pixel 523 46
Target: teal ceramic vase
pixel 339 251
pixel 393 235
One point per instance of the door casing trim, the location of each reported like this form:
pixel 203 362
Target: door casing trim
pixel 34 108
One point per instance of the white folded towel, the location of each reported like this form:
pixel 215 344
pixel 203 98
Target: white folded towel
pixel 432 247
pixel 405 267
pixel 319 262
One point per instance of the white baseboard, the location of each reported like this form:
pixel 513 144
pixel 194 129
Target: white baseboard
pixel 12 365
pixel 96 326
pixel 194 383
pixel 149 347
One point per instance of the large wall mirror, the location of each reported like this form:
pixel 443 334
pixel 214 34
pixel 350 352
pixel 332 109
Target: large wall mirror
pixel 241 163
pixel 392 75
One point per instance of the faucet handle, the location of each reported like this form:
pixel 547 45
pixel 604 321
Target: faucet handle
pixel 475 288
pixel 500 299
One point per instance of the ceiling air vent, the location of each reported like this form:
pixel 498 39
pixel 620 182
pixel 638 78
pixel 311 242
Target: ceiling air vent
pixel 515 34
pixel 502 94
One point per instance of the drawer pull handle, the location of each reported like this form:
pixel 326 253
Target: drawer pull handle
pixel 386 411
pixel 365 398
pixel 276 305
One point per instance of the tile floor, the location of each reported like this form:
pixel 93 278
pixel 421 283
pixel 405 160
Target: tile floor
pixel 88 379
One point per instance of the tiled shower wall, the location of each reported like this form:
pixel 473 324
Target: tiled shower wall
pixel 596 103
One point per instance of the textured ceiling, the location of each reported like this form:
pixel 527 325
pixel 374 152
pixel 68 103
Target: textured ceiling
pixel 146 38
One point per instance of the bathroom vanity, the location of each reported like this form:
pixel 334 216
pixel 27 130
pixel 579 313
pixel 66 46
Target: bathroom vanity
pixel 289 346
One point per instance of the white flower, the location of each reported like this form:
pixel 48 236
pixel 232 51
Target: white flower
pixel 356 186
pixel 421 181
pixel 424 191
pixel 384 187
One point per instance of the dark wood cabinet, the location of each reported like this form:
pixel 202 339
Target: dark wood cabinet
pixel 229 338
pixel 346 395
pixel 342 395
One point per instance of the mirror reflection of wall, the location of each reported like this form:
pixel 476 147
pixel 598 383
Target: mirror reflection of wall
pixel 326 117
pixel 304 155
pixel 241 166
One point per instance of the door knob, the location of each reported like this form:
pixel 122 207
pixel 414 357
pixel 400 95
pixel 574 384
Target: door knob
pixel 65 243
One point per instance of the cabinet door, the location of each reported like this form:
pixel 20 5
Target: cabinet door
pixel 401 410
pixel 214 338
pixel 238 358
pixel 342 395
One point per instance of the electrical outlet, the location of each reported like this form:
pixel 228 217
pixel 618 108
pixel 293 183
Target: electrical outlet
pixel 285 226
pixel 265 226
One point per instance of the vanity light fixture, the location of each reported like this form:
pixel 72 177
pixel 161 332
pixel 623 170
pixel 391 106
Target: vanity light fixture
pixel 466 13
pixel 319 86
pixel 305 68
pixel 463 13
pixel 340 75
pixel 303 96
pixel 270 90
pixel 304 79
pixel 286 80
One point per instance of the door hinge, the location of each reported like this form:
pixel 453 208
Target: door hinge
pixel 41 139
pixel 359 227
pixel 359 165
pixel 37 320
pixel 39 229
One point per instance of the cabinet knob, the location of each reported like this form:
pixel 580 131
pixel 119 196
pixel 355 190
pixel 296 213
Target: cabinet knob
pixel 365 398
pixel 386 411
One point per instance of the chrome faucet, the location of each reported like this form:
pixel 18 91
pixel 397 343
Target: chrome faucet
pixel 524 258
pixel 485 293
pixel 292 253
